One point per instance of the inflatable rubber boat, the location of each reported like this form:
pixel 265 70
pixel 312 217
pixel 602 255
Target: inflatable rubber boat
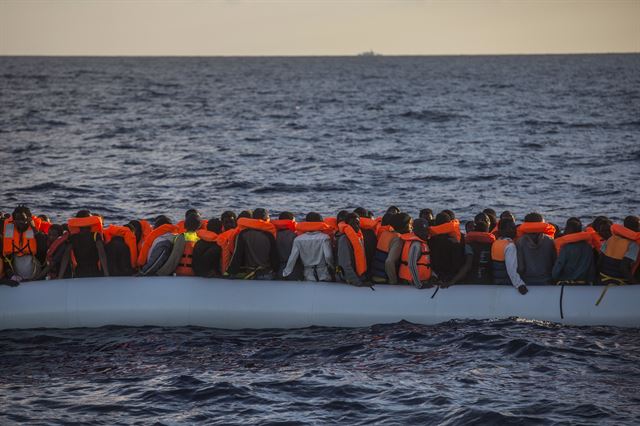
pixel 229 304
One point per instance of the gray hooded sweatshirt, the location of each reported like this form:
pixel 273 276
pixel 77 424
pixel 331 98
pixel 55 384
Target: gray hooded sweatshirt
pixel 536 256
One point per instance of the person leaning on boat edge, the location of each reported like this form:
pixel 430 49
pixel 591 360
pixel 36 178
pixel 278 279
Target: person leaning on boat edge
pixel 352 261
pixel 504 257
pixel 620 255
pixel 312 248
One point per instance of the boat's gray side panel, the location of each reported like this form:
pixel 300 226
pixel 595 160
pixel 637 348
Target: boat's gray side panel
pixel 180 301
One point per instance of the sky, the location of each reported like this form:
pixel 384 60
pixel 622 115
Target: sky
pixel 305 27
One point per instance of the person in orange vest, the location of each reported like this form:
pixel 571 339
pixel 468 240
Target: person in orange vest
pixel 504 257
pixel 415 263
pixel 368 226
pixel 312 250
pixel 447 251
pixel 121 249
pixel 24 248
pixel 477 266
pixel 620 254
pixel 228 219
pixel 286 227
pixel 536 250
pixel 255 255
pixel 207 252
pixel 85 250
pixel 180 260
pixel 386 234
pixel 402 224
pixel 351 260
pixel 575 263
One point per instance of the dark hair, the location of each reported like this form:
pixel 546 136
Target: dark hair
pixel 451 214
pixel 228 214
pixel 136 228
pixel 572 226
pixel 507 215
pixel 425 213
pixel 21 209
pixel 161 220
pixel 443 217
pixel 313 217
pixel 245 213
pixel 351 217
pixel 393 210
pixel 192 223
pixel 57 228
pixel 421 227
pixel 286 216
pixel 83 213
pixel 470 226
pixel 361 211
pixel 214 225
pixel 261 214
pixel 598 220
pixel 401 222
pixel 506 223
pixel 632 222
pixel 191 212
pixel 342 216
pixel 388 218
pixel 44 217
pixel 489 212
pixel 533 217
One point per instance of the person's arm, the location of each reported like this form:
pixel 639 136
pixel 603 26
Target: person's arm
pixel 415 251
pixel 520 260
pixel 558 267
pixel 344 256
pixel 293 258
pixel 511 263
pixel 238 255
pixel 327 251
pixel 102 256
pixel 628 261
pixel 64 263
pixel 391 264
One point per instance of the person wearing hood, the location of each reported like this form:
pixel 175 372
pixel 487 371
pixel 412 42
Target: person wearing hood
pixel 352 261
pixel 536 250
pixel 313 248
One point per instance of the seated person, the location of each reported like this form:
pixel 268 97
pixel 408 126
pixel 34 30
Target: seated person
pixel 207 252
pixel 536 250
pixel 85 250
pixel 24 249
pixel 504 257
pixel 255 254
pixel 575 263
pixel 352 261
pixel 313 248
pixel 620 253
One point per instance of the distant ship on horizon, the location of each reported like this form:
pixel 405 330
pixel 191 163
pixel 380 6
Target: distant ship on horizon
pixel 369 53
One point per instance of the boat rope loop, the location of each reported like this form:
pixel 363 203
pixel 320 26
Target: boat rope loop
pixel 612 282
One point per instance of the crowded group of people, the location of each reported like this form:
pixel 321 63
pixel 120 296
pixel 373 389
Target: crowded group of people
pixel 353 247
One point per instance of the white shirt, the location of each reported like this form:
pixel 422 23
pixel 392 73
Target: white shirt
pixel 511 263
pixel 314 249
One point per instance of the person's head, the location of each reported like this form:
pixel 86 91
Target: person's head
pixel 214 225
pixel 632 222
pixel 192 223
pixel 402 223
pixel 451 214
pixel 313 217
pixel 247 214
pixel 604 229
pixel 482 222
pixel 21 218
pixel 342 216
pixel 161 220
pixel 572 226
pixel 353 220
pixel 228 219
pixel 507 228
pixel 55 232
pixel 44 218
pixel 191 212
pixel 469 226
pixel 387 218
pixel 426 214
pixel 491 214
pixel 421 228
pixel 286 216
pixel 597 221
pixel 261 214
pixel 442 218
pixel 392 210
pixel 507 215
pixel 83 213
pixel 361 211
pixel 533 217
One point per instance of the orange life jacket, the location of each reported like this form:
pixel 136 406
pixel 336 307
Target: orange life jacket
pixel 44 227
pixel 479 237
pixel 357 242
pixel 143 255
pixel 129 239
pixel 597 237
pixel 16 243
pixel 185 267
pixel 227 243
pixel 284 224
pixel 367 223
pixel 92 222
pixel 450 228
pixel 497 250
pixel 623 232
pixel 314 227
pixel 536 228
pixel 332 222
pixel 206 235
pixel 383 228
pixel 589 236
pixel 257 224
pixel 385 238
pixel 424 261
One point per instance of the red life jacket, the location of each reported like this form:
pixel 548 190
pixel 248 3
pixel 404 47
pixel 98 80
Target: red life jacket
pixel 314 227
pixel 92 222
pixel 590 236
pixel 424 261
pixel 479 237
pixel 284 224
pixel 536 228
pixel 257 224
pixel 185 267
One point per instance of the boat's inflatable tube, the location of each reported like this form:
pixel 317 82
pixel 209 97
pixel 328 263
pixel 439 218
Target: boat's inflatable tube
pixel 181 301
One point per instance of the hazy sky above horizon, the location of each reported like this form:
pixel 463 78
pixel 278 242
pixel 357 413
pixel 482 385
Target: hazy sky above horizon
pixel 242 27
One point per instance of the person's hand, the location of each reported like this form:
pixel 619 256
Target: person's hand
pixel 523 289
